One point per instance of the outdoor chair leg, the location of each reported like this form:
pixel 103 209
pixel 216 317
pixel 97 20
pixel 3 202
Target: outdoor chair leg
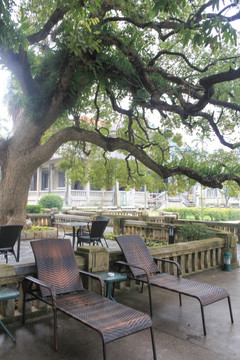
pixel 203 320
pixel 180 299
pixel 24 309
pixel 104 350
pixel 153 345
pixel 150 298
pixel 230 309
pixel 105 242
pixel 55 330
pixel 7 331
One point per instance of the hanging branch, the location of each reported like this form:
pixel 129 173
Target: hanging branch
pixel 130 177
pixel 84 149
pixel 97 107
pixel 138 172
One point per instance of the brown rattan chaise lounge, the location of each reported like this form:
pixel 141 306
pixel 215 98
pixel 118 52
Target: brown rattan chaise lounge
pixel 61 287
pixel 144 268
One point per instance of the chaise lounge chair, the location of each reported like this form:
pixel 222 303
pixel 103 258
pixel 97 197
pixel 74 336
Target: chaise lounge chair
pixel 143 268
pixel 61 287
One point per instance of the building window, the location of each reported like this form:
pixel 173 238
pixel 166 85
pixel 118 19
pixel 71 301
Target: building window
pixel 61 179
pixel 33 185
pixel 45 179
pixel 77 186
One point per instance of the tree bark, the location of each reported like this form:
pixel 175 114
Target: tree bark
pixel 19 160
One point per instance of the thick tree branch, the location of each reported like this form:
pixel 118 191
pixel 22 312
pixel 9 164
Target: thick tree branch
pixel 184 57
pixel 112 144
pixel 19 64
pixel 56 16
pixel 158 27
pixel 115 106
pixel 211 80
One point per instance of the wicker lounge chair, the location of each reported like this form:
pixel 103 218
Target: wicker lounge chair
pixel 61 287
pixel 144 268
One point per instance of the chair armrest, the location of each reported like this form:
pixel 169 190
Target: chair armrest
pixel 170 262
pixel 51 288
pixel 135 266
pixel 97 277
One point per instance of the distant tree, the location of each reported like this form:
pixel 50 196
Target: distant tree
pixel 230 190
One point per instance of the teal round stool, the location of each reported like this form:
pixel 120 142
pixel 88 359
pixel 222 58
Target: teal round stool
pixel 7 293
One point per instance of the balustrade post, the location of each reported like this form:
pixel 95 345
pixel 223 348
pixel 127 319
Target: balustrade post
pixel 95 259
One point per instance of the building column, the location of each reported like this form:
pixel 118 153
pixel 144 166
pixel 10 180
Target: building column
pixel 50 185
pixel 66 191
pixel 38 183
pixel 88 193
pixel 117 195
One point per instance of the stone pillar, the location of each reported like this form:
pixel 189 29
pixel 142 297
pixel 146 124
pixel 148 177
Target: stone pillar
pixel 88 193
pixel 96 259
pixel 231 247
pixel 66 191
pixel 145 198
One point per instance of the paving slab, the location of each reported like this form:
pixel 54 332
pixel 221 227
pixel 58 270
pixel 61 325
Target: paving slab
pixel 178 330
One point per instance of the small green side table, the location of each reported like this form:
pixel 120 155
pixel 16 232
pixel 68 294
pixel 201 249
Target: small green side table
pixel 111 278
pixel 7 293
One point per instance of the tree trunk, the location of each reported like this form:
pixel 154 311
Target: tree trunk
pixel 13 198
pixel 18 162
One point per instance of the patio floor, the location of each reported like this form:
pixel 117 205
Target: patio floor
pixel 178 330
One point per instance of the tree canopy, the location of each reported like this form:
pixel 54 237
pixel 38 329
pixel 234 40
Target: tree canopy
pixel 126 76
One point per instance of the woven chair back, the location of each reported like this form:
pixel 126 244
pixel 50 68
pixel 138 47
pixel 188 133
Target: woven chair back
pixel 9 235
pixel 56 265
pixel 103 218
pixel 98 228
pixel 136 253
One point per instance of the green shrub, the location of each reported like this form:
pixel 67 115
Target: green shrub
pixel 207 218
pixel 33 209
pixel 194 231
pixel 50 201
pixel 190 217
pixel 209 214
pixel 38 228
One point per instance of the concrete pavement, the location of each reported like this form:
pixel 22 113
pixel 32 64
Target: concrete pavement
pixel 178 330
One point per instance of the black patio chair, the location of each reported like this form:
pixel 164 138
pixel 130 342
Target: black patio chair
pixel 144 268
pixel 104 218
pixel 9 235
pixel 95 234
pixel 59 285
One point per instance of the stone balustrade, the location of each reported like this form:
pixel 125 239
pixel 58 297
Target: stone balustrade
pixel 194 257
pixel 159 231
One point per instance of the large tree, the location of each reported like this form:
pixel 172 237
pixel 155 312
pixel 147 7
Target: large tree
pixel 147 69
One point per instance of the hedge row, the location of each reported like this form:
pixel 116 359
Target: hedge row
pixel 33 209
pixel 206 214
